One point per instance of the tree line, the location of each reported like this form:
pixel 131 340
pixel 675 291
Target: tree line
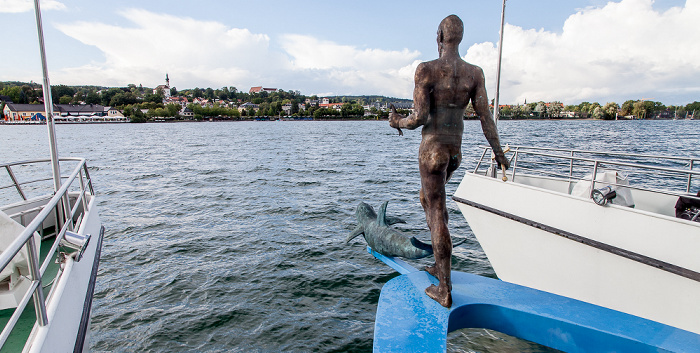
pixel 639 109
pixel 133 100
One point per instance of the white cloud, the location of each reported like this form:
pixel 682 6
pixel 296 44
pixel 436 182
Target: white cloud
pixel 311 53
pixel 17 6
pixel 196 52
pixel 624 50
pixel 349 69
pixel 206 53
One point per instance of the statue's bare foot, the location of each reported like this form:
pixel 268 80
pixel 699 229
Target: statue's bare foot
pixel 442 296
pixel 432 270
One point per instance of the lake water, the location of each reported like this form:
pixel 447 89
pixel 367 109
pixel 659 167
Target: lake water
pixel 229 237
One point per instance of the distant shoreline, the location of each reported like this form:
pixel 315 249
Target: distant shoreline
pixel 293 120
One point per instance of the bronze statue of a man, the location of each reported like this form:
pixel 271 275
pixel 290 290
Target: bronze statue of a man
pixel 443 88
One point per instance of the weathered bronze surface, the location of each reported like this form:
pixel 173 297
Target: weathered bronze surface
pixel 382 238
pixel 443 89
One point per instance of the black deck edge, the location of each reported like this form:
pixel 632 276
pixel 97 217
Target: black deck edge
pixel 665 266
pixel 85 319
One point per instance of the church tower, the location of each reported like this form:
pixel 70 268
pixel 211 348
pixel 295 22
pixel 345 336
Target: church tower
pixel 167 80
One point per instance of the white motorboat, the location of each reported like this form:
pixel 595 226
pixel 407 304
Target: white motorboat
pixel 47 258
pixel 50 242
pixel 553 227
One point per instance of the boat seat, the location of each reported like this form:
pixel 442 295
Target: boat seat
pixel 606 178
pixel 13 281
pixel 688 208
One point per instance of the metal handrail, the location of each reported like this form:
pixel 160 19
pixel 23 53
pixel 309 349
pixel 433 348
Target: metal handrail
pixel 617 154
pixel 576 163
pixel 624 164
pixel 17 185
pixel 37 270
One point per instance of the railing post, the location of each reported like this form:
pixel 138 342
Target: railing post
pixel 571 165
pixel 59 219
pixel 14 180
pixel 480 160
pixel 82 192
pixel 68 216
pixel 87 176
pixel 571 169
pixel 595 172
pixel 39 304
pixel 515 164
pixel 690 177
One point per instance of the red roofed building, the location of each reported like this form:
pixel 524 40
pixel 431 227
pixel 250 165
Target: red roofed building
pixel 260 89
pixel 179 100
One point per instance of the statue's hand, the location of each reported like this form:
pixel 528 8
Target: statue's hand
pixel 502 161
pixel 394 119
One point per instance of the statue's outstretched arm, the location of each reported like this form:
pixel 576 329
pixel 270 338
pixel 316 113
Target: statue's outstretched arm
pixel 421 103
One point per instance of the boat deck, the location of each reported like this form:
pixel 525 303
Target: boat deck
pixel 408 320
pixel 20 333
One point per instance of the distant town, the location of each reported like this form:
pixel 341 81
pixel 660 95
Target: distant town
pixel 23 103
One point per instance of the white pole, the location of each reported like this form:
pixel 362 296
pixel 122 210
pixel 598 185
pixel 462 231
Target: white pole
pixel 48 103
pixel 498 69
pixel 48 107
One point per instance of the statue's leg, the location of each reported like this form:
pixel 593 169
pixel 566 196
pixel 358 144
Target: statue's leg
pixel 433 168
pixel 430 269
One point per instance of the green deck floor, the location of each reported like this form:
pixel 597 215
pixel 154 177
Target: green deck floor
pixel 17 339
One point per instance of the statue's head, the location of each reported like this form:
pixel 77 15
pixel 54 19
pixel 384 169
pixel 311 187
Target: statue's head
pixel 450 32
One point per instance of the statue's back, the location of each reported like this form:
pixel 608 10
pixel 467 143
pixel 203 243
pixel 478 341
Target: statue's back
pixel 452 82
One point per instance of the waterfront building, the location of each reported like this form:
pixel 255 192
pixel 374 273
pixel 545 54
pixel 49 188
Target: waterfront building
pixel 80 110
pixel 247 105
pixel 24 112
pixel 30 112
pixel 187 113
pixel 403 105
pixel 113 112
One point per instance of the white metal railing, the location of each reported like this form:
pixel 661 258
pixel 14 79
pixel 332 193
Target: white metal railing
pixel 64 216
pixel 656 173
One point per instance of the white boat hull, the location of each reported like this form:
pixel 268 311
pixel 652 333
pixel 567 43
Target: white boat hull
pixel 69 302
pixel 630 260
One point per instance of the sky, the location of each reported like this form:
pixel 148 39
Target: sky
pixel 569 51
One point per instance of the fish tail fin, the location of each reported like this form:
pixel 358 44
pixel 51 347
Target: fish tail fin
pixel 421 245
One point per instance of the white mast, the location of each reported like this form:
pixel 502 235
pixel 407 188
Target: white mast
pixel 48 102
pixel 498 68
pixel 48 107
